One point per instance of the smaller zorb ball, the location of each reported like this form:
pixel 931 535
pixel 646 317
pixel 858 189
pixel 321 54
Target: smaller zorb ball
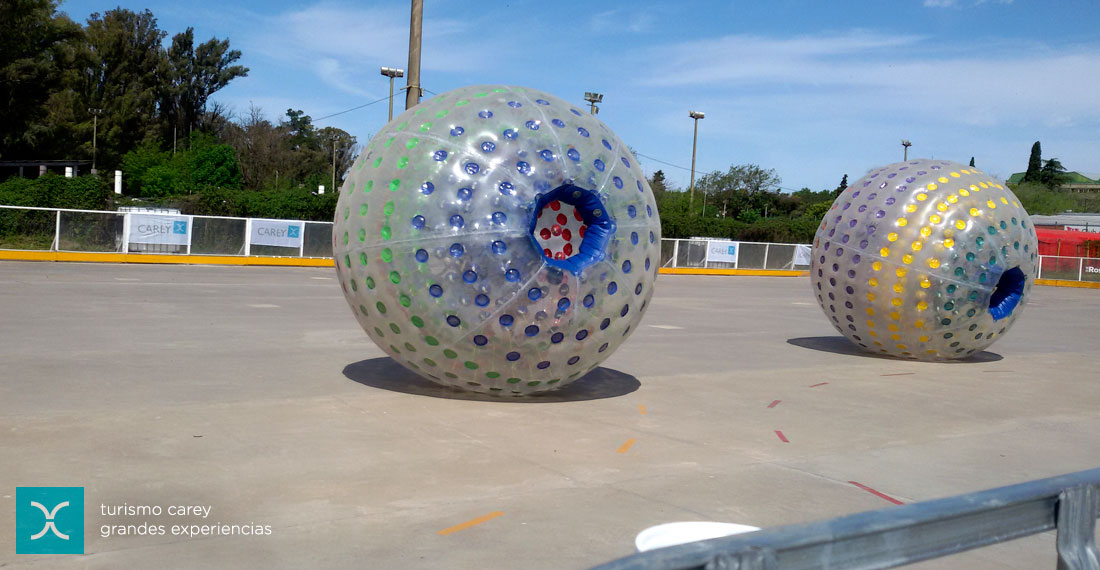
pixel 924 259
pixel 497 239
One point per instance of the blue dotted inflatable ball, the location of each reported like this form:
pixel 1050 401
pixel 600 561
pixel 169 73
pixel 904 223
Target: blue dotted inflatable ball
pixel 497 239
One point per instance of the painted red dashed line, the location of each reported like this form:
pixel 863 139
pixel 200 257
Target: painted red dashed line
pixel 774 403
pixel 877 493
pixel 818 384
pixel 782 437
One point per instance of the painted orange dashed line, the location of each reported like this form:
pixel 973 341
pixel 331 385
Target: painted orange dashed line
pixel 877 493
pixel 626 446
pixel 818 384
pixel 641 409
pixel 774 403
pixel 782 437
pixel 470 523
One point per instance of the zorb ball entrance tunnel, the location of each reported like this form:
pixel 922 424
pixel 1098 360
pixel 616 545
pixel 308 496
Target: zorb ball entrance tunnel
pixel 924 259
pixel 497 239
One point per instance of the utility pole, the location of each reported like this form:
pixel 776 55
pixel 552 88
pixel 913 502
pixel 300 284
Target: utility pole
pixel 593 98
pixel 392 72
pixel 334 139
pixel 694 142
pixel 95 130
pixel 416 25
pixel 906 144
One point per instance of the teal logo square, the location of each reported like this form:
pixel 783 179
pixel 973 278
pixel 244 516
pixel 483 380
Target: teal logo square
pixel 49 520
pixel 731 250
pixel 179 228
pixel 292 231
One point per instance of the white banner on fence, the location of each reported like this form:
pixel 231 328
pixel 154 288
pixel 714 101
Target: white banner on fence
pixel 277 232
pixel 722 251
pixel 160 229
pixel 802 254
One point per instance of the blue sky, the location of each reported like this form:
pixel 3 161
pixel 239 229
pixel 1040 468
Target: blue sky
pixel 812 89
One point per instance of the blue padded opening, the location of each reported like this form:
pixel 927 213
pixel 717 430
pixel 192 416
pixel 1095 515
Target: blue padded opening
pixel 593 247
pixel 1007 294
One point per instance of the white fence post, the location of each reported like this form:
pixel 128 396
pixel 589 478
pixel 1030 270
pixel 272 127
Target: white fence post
pixel 248 237
pixel 675 252
pixel 302 246
pixel 56 245
pixel 1080 269
pixel 767 247
pixel 1040 267
pixel 126 232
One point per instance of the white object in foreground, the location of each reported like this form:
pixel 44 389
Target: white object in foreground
pixel 671 534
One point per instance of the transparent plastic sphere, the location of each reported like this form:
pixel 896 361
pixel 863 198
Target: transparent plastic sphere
pixel 497 239
pixel 924 259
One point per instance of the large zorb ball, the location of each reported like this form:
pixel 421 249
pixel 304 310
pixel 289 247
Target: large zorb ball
pixel 497 239
pixel 924 259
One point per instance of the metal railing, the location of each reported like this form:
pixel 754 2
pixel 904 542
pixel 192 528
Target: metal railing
pixel 897 536
pixel 61 229
pixel 1069 268
pixel 723 254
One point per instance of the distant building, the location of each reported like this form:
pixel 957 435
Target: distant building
pixel 1075 181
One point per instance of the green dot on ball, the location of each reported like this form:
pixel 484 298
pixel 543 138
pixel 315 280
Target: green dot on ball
pixel 431 341
pixel 395 277
pixel 514 380
pixel 403 162
pixel 450 353
pixel 381 307
pixel 411 143
pixel 387 255
pixel 396 329
pixel 429 362
pixel 370 282
pixel 388 208
pixel 395 184
pixel 386 233
pixel 492 374
pixel 362 258
pixel 470 365
pixel 417 321
pixel 404 300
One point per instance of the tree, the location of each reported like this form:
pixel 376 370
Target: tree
pixel 1053 173
pixel 842 187
pixel 1034 164
pixel 125 54
pixel 190 75
pixel 37 45
pixel 972 161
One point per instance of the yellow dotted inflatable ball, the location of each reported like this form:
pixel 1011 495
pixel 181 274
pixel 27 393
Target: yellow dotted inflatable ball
pixel 924 259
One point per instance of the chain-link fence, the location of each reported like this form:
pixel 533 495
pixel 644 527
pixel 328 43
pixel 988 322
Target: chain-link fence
pixel 136 231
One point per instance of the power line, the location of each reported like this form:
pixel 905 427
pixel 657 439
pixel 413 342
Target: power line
pixel 352 109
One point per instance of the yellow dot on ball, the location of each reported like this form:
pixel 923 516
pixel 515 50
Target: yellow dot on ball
pixel 872 282
pixel 1015 204
pixel 901 271
pixel 975 211
pixel 885 252
pixel 870 296
pixel 952 198
pixel 933 262
pixel 961 224
pixel 930 351
pixel 925 283
pixel 871 324
pixel 911 208
pixel 922 197
pixel 932 186
pixel 963 192
pixel 902 222
pixel 917 245
pixel 875 334
pixel 923 339
pixel 948 243
pixel 935 219
pixel 907 259
pixel 901 346
pixel 899 288
pixel 918 324
pixel 975 188
pixel 870 312
pixel 983 185
pixel 942 206
pixel 895 316
pixel 1004 201
pixel 955 174
pixel 922 306
pixel 895 337
pixel 925 231
pixel 877 266
pixel 991 204
pixel 892 236
pixel 892 327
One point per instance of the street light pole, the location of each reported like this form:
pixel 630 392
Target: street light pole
pixel 95 130
pixel 392 72
pixel 416 25
pixel 694 142
pixel 906 144
pixel 593 98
